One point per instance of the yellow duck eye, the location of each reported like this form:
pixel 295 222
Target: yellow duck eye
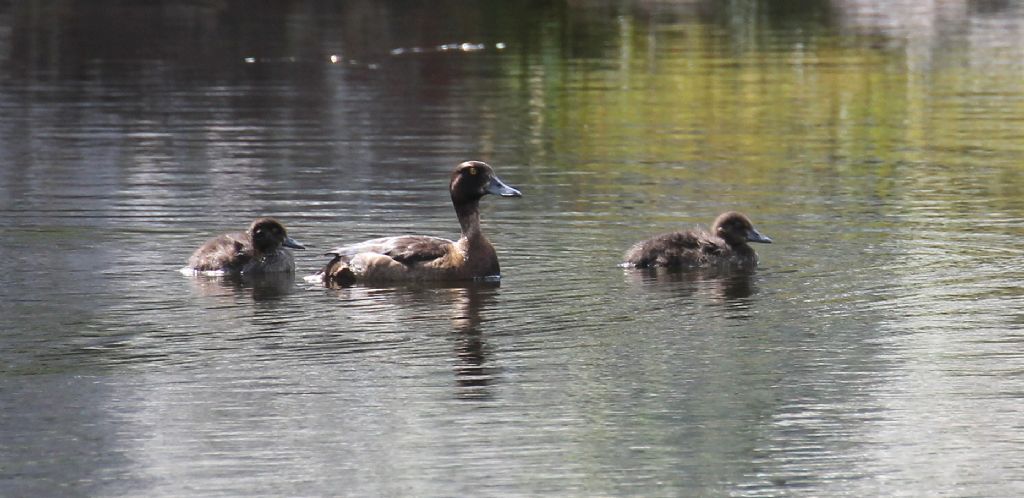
pixel 472 170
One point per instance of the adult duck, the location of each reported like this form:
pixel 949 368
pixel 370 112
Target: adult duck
pixel 725 245
pixel 426 258
pixel 260 249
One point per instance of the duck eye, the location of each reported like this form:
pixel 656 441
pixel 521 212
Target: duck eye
pixel 472 170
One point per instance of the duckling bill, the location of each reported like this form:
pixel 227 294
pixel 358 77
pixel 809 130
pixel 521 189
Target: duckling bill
pixel 260 249
pixel 725 244
pixel 423 257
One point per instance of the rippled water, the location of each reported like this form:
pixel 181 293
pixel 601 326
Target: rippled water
pixel 876 351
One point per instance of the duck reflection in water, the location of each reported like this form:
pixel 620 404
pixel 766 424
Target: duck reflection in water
pixel 472 374
pixel 411 308
pixel 261 286
pixel 723 285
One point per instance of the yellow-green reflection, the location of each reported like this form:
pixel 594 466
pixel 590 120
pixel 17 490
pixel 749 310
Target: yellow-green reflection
pixel 889 115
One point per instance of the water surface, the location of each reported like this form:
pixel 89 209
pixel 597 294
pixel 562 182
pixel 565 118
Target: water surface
pixel 875 351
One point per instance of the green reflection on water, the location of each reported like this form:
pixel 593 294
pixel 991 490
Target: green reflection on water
pixel 805 108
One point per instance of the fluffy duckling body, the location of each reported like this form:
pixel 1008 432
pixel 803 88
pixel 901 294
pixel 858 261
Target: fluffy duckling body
pixel 725 245
pixel 260 249
pixel 425 258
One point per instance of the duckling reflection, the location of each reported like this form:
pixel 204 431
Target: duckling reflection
pixel 262 286
pixel 723 285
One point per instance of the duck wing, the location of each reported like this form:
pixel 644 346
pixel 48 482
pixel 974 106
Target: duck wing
pixel 406 249
pixel 670 249
pixel 225 252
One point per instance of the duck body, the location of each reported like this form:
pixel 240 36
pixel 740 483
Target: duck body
pixel 260 249
pixel 412 258
pixel 725 245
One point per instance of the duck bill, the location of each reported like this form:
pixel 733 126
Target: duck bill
pixel 755 236
pixel 290 242
pixel 498 187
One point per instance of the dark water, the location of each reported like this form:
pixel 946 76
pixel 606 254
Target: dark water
pixel 875 352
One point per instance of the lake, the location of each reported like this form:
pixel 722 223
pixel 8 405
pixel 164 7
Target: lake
pixel 878 349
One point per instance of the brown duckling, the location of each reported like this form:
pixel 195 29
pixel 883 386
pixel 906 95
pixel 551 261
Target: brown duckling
pixel 261 249
pixel 725 244
pixel 422 257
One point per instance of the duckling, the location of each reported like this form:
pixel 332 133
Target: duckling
pixel 260 249
pixel 726 244
pixel 423 257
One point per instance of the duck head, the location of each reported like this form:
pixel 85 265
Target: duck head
pixel 735 229
pixel 268 234
pixel 472 180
